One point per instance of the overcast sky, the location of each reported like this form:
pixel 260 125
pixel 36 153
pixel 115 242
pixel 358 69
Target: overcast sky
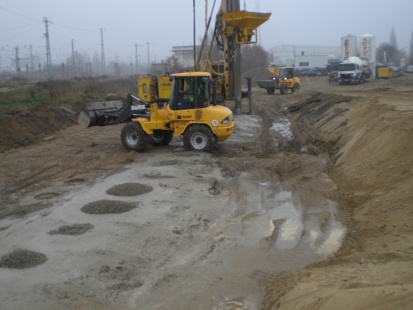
pixel 167 23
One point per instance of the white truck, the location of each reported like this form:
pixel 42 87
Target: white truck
pixel 353 71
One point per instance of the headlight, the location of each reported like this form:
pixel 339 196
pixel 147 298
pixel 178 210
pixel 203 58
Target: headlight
pixel 226 120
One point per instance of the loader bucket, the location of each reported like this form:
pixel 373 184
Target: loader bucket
pixel 100 113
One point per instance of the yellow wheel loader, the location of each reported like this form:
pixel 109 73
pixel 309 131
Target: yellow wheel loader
pixel 283 79
pixel 190 112
pixel 154 89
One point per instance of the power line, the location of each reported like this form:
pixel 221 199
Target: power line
pixel 21 33
pixel 20 27
pixel 18 14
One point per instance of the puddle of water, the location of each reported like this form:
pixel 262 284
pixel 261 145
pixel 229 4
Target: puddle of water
pixel 308 231
pixel 256 226
pixel 283 128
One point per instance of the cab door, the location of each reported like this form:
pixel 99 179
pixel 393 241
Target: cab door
pixel 182 103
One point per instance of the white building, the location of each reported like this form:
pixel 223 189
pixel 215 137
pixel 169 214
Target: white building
pixel 310 61
pixel 184 55
pixel 287 55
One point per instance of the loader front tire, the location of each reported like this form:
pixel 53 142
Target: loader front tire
pixel 134 138
pixel 198 138
pixel 295 88
pixel 283 89
pixel 161 137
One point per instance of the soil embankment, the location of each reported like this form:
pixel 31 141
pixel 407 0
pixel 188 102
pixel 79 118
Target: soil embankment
pixel 371 148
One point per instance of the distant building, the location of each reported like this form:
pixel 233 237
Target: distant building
pixel 185 55
pixel 292 55
pixel 160 69
pixel 310 61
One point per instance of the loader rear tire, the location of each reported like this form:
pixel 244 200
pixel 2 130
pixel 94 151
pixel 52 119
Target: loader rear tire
pixel 134 138
pixel 198 138
pixel 161 137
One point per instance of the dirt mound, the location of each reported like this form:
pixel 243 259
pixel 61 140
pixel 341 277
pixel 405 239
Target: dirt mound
pixel 108 207
pixel 129 189
pixel 30 113
pixel 73 230
pixel 21 128
pixel 22 259
pixel 255 75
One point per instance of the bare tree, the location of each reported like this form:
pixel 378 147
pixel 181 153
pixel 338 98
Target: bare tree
pixel 386 54
pixel 253 56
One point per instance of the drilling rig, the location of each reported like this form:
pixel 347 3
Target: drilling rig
pixel 233 27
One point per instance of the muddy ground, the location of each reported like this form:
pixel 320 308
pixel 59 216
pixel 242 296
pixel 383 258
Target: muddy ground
pixel 308 205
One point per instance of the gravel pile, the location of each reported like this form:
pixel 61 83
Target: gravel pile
pixel 108 207
pixel 129 189
pixel 22 259
pixel 73 230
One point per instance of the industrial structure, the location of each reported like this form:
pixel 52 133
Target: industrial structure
pixel 363 47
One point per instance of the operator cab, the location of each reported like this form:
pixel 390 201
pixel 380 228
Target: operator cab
pixel 190 90
pixel 287 73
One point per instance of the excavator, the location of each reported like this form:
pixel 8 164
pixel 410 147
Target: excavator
pixel 183 104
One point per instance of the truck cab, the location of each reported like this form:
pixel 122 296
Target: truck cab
pixel 354 71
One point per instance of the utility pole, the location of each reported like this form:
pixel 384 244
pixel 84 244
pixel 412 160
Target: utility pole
pixel 149 57
pixel 136 58
pixel 73 59
pixel 31 59
pixel 17 60
pixel 48 55
pixel 102 52
pixel 193 6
